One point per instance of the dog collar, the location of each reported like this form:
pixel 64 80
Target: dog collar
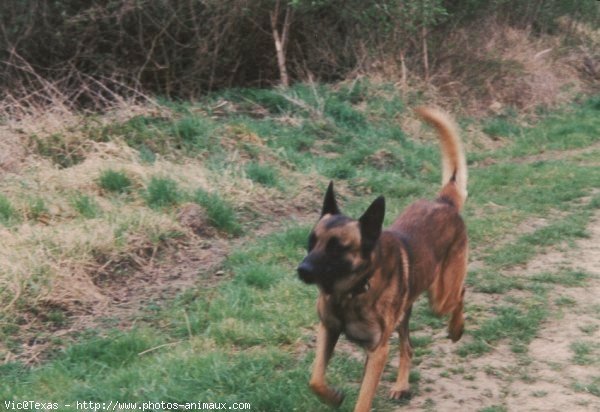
pixel 361 288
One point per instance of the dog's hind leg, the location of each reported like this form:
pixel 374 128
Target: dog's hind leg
pixel 446 294
pixel 401 388
pixel 326 341
pixel 456 326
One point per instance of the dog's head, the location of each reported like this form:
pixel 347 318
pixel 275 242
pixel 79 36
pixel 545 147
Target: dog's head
pixel 340 248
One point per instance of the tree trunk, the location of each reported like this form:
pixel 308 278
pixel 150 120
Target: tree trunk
pixel 281 40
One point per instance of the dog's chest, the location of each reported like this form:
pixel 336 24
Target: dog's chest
pixel 363 332
pixel 360 326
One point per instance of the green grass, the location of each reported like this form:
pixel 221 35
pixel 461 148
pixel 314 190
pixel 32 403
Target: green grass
pixel 220 213
pixel 585 352
pixel 500 127
pixel 248 336
pixel 493 281
pixel 86 206
pixel 592 386
pixel 7 211
pixel 264 174
pixel 519 326
pixel 115 181
pixel 187 135
pixel 565 229
pixel 162 192
pixel 570 278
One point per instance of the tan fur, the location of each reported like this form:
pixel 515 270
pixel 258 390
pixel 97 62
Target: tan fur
pixel 424 250
pixel 453 158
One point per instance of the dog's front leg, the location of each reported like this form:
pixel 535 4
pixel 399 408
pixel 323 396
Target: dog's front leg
pixel 326 340
pixel 373 369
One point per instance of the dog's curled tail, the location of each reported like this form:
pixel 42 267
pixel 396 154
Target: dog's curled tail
pixel 454 165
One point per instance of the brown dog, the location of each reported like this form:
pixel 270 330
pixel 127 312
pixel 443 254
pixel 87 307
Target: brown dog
pixel 368 278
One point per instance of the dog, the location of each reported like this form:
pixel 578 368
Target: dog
pixel 368 278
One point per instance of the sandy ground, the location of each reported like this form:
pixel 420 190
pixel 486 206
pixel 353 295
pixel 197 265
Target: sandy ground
pixel 545 379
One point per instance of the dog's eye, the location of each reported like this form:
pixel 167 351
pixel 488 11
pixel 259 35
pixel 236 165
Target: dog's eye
pixel 312 241
pixel 334 247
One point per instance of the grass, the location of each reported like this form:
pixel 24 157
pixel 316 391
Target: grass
pixel 162 192
pixel 592 387
pixel 115 181
pixel 585 352
pixel 510 322
pixel 220 213
pixel 7 211
pixel 264 174
pixel 37 208
pixel 85 205
pixel 247 334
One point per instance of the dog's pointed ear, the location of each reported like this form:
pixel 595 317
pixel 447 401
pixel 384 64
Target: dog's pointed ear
pixel 371 223
pixel 329 204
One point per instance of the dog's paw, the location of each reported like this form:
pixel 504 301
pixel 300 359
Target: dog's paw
pixel 334 397
pixel 400 394
pixel 455 334
pixel 331 396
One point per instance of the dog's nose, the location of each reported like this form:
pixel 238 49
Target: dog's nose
pixel 306 271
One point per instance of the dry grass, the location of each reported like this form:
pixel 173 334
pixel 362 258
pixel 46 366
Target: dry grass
pixel 492 67
pixel 53 256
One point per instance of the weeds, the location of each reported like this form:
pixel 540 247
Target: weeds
pixel 162 192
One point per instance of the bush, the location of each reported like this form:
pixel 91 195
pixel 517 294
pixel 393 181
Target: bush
pixel 90 51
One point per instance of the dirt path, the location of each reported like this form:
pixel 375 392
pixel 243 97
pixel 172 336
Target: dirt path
pixel 551 376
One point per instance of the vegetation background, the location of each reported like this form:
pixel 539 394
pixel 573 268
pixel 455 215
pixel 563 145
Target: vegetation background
pixel 88 51
pixel 161 164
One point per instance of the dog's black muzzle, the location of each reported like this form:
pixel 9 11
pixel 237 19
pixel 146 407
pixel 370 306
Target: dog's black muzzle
pixel 306 271
pixel 316 269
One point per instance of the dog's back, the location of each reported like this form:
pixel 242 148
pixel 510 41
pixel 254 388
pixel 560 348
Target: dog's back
pixel 433 232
